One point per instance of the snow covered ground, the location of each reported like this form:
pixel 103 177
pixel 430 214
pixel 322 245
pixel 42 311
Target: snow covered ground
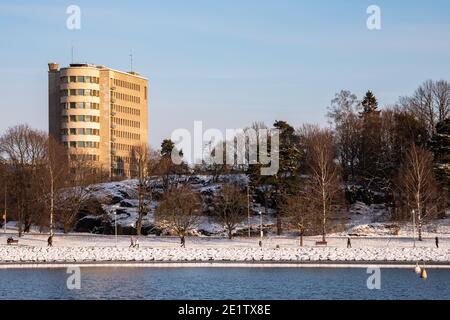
pixel 76 248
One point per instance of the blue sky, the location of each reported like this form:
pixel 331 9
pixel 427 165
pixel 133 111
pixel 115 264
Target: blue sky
pixel 227 63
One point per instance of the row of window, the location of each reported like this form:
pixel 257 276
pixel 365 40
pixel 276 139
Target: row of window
pixel 81 118
pixel 80 79
pixel 128 110
pixel 80 131
pixel 84 157
pixel 80 105
pixel 80 92
pixel 120 160
pixel 126 122
pixel 82 144
pixel 122 147
pixel 126 84
pixel 122 173
pixel 126 135
pixel 125 97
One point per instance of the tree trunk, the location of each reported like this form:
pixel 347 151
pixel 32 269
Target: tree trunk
pixel 419 225
pixel 324 220
pixel 301 238
pixel 52 202
pixel 230 234
pixel 279 229
pixel 19 207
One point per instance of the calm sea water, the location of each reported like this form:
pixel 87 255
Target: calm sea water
pixel 222 283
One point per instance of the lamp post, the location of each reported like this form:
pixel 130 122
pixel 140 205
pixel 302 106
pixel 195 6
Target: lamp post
pixel 4 214
pixel 115 224
pixel 261 217
pixel 414 227
pixel 248 210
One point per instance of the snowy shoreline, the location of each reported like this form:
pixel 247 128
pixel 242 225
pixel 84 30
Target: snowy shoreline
pixel 310 255
pixel 102 250
pixel 279 264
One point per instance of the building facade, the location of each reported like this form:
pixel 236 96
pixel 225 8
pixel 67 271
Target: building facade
pixel 99 114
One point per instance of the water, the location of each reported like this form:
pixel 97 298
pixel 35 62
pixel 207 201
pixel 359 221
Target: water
pixel 222 283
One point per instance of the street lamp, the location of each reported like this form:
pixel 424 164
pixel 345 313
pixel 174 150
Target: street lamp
pixel 414 226
pixel 4 214
pixel 248 210
pixel 262 233
pixel 115 224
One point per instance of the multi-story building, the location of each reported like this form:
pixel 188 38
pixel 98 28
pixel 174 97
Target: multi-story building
pixel 99 114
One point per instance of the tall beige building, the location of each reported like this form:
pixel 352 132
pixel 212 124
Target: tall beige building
pixel 99 114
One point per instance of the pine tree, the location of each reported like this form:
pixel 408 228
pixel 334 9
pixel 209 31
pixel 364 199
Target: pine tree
pixel 166 147
pixel 275 188
pixel 370 103
pixel 441 151
pixel 285 181
pixel 371 148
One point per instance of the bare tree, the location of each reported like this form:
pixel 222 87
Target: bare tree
pixel 299 211
pixel 430 103
pixel 418 184
pixel 180 208
pixel 69 204
pixel 344 111
pixel 55 174
pixel 141 156
pixel 324 177
pixel 441 94
pixel 230 207
pixel 24 149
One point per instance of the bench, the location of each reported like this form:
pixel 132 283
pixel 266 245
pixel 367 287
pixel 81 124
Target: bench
pixel 11 241
pixel 321 243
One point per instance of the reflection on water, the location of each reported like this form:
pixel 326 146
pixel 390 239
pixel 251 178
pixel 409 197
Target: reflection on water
pixel 222 283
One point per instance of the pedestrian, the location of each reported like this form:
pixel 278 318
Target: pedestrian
pixel 437 242
pixel 349 243
pixel 132 242
pixel 260 243
pixel 136 243
pixel 50 241
pixel 183 241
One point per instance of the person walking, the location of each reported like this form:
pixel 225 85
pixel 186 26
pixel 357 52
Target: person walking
pixel 349 243
pixel 50 241
pixel 437 242
pixel 183 242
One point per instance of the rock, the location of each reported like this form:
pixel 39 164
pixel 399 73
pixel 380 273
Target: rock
pixel 88 224
pixel 126 204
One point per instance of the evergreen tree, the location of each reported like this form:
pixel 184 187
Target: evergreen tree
pixel 166 147
pixel 276 188
pixel 441 150
pixel 369 103
pixel 285 181
pixel 371 146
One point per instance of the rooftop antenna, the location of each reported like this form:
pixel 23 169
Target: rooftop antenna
pixel 131 62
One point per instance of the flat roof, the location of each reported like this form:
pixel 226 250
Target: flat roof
pixel 100 67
